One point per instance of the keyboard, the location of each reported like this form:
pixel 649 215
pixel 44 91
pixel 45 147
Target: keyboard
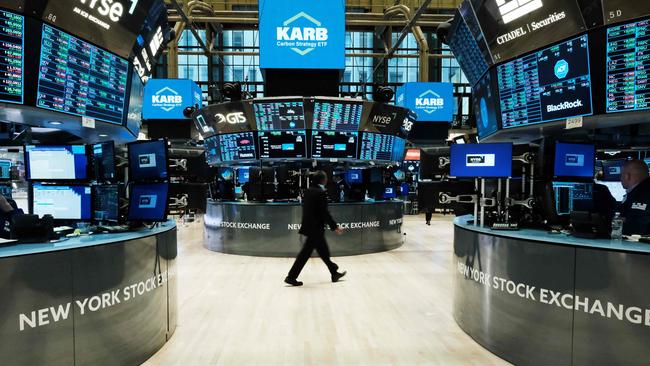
pixel 505 226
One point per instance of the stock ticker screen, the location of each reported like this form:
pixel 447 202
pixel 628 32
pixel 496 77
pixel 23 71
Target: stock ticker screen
pixel 376 146
pixel 279 115
pixel 337 116
pixel 334 145
pixel 628 65
pixel 78 78
pixel 547 85
pixel 283 144
pixel 237 146
pixel 12 57
pixel 465 47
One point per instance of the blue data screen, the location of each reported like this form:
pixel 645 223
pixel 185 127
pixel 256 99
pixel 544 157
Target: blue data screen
pixel 237 146
pixel 376 146
pixel 12 57
pixel 337 116
pixel 280 115
pixel 283 144
pixel 148 202
pixel 481 160
pixel 574 160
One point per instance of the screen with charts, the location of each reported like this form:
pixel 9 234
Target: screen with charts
pixel 465 47
pixel 279 115
pixel 628 62
pixel 5 169
pixel 148 202
pixel 399 149
pixel 337 115
pixel 63 202
pixel 574 160
pixel 106 201
pixel 283 144
pixel 148 160
pixel 481 160
pixel 56 162
pixel 484 100
pixel 376 146
pixel 547 85
pixel 12 57
pixel 237 146
pixel 103 161
pixel 334 145
pixel 572 196
pixel 211 145
pixel 78 78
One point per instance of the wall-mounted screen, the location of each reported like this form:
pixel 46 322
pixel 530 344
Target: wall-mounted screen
pixel 282 144
pixel 64 162
pixel 279 115
pixel 334 145
pixel 12 57
pixel 376 146
pixel 237 146
pixel 211 145
pixel 574 160
pixel 63 202
pixel 484 101
pixel 337 115
pixel 628 82
pixel 78 78
pixel 547 85
pixel 472 59
pixel 620 10
pixel 481 160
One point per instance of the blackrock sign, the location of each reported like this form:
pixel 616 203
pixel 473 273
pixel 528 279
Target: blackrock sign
pixel 302 34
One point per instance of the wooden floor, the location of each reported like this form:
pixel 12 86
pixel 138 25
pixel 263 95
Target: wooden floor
pixel 393 309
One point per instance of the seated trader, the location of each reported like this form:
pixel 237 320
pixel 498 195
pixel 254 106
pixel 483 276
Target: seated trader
pixel 8 209
pixel 635 208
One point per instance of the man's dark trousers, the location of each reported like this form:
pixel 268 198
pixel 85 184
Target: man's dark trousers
pixel 319 243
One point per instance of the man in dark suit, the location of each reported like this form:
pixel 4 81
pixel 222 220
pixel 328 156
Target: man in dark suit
pixel 635 209
pixel 315 216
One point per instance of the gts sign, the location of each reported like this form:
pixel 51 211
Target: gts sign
pixel 231 118
pixel 113 9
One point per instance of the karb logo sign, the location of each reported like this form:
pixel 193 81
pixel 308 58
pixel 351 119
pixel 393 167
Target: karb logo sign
pixel 429 102
pixel 166 99
pixel 480 160
pixel 302 40
pixel 432 102
pixel 515 9
pixel 574 160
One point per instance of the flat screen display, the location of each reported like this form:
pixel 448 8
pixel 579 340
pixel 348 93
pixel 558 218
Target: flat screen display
pixel 620 10
pixel 212 150
pixel 243 175
pixel 574 160
pixel 283 144
pixel 514 27
pixel 237 146
pixel 63 202
pixel 279 115
pixel 337 115
pixel 148 202
pixel 547 85
pixel 572 196
pixel 78 78
pixel 481 160
pixel 12 57
pixel 628 82
pixel 6 191
pixel 148 160
pixel 354 176
pixel 412 155
pixel 103 161
pixel 484 101
pixel 390 192
pixel 376 146
pixel 334 145
pixel 399 149
pixel 465 48
pixel 612 170
pixel 62 162
pixel 106 201
pixel 5 169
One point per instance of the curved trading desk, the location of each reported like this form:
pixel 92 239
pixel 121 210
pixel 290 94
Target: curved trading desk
pixel 271 229
pixel 107 299
pixel 535 298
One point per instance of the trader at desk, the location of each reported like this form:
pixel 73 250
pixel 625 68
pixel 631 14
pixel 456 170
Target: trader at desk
pixel 635 208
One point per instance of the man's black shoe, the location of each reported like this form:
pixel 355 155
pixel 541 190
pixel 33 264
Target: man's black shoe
pixel 338 275
pixel 292 282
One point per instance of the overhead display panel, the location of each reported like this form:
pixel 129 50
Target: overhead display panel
pixel 375 146
pixel 334 145
pixel 279 115
pixel 337 115
pixel 547 85
pixel 471 52
pixel 514 27
pixel 112 24
pixel 628 65
pixel 283 144
pixel 237 146
pixel 78 78
pixel 12 57
pixel 388 119
pixel 484 102
pixel 621 10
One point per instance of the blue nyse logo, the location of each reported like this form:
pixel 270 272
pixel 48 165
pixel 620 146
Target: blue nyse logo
pixel 433 102
pixel 302 34
pixel 167 98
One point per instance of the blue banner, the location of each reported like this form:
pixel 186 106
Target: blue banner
pixel 302 34
pixel 433 102
pixel 167 98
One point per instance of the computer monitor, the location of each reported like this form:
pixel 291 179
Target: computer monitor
pixel 5 169
pixel 404 189
pixel 276 115
pixel 6 191
pixel 211 145
pixel 237 146
pixel 375 146
pixel 390 192
pixel 60 162
pixel 481 160
pixel 334 145
pixel 612 170
pixel 354 176
pixel 282 144
pixel 243 175
pixel 148 160
pixel 573 196
pixel 63 202
pixel 106 203
pixel 103 161
pixel 574 160
pixel 148 202
pixel 337 114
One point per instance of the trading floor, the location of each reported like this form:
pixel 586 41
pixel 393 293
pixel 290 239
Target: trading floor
pixel 393 308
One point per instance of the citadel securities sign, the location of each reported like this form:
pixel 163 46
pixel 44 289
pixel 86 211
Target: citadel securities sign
pixel 302 34
pixel 433 102
pixel 167 98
